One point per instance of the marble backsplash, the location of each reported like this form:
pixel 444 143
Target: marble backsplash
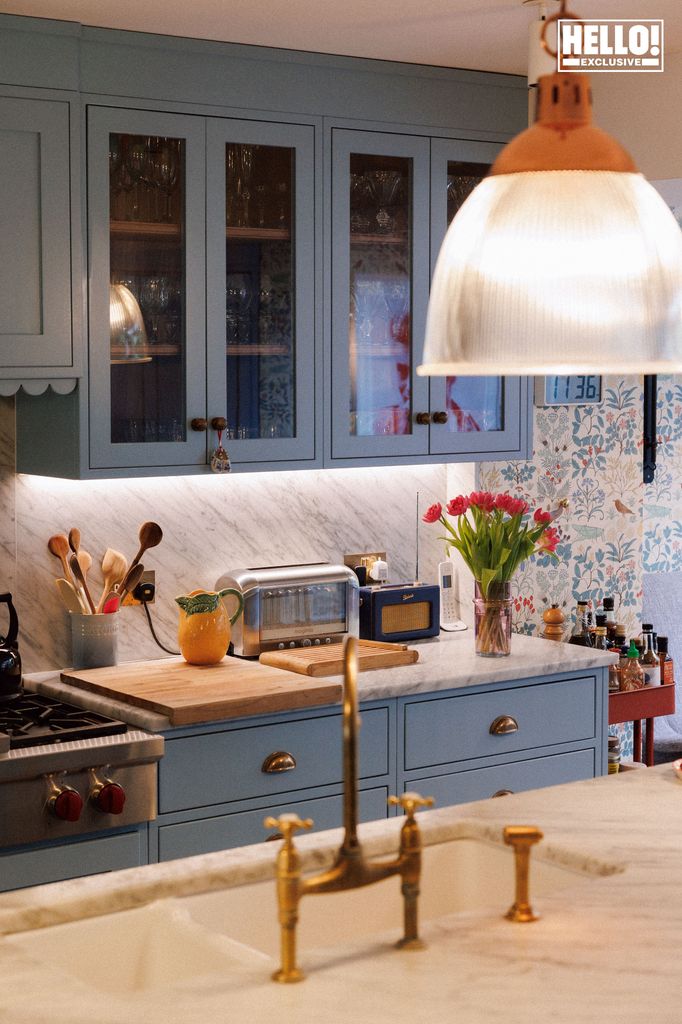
pixel 211 524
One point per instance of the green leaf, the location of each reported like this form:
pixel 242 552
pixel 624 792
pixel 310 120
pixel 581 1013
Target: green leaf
pixel 198 603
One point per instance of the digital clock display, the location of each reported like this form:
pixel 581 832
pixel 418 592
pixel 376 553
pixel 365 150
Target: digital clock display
pixel 575 389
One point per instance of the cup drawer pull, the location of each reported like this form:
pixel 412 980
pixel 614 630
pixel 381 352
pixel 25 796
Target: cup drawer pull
pixel 273 837
pixel 280 761
pixel 502 792
pixel 504 725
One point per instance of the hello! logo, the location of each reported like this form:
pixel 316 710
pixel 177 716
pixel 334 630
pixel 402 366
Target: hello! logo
pixel 610 45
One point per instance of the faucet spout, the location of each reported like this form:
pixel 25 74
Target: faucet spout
pixel 350 870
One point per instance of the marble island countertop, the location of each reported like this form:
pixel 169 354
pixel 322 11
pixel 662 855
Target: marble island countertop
pixel 449 663
pixel 606 946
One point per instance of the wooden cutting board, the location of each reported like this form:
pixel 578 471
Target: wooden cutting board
pixel 188 694
pixel 328 661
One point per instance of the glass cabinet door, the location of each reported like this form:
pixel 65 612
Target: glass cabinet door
pixel 261 288
pixel 379 256
pixel 146 180
pixel 476 415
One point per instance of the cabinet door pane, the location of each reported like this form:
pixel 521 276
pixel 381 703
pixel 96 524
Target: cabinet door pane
pixel 261 286
pixel 473 415
pixel 378 293
pixel 147 286
pixel 147 293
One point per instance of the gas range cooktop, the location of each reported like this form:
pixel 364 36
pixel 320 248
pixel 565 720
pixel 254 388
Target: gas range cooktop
pixel 31 719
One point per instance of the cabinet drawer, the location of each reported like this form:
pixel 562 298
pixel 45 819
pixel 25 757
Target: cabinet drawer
pixel 517 776
pixel 72 860
pixel 458 728
pixel 220 767
pixel 224 831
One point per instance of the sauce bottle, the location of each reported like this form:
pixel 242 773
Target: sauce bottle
pixel 665 661
pixel 632 676
pixel 649 659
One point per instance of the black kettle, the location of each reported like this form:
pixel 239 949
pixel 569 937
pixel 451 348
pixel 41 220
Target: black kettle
pixel 10 659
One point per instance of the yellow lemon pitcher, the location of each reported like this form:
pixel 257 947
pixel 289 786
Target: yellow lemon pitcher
pixel 204 629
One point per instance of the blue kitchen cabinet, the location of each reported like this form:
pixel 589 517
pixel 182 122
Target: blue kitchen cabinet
pixel 41 863
pixel 39 315
pixel 391 199
pixel 488 741
pixel 218 782
pixel 263 248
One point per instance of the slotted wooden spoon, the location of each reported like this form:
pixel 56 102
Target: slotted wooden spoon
pixel 80 579
pixel 58 545
pixel 114 568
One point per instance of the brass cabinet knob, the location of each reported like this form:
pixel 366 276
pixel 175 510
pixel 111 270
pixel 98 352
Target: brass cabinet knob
pixel 280 761
pixel 502 792
pixel 440 417
pixel 521 838
pixel 423 419
pixel 219 423
pixel 503 726
pixel 198 424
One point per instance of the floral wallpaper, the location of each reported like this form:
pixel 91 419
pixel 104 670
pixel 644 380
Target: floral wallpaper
pixel 662 542
pixel 590 455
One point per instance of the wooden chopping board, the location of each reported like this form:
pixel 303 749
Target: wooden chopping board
pixel 188 694
pixel 328 660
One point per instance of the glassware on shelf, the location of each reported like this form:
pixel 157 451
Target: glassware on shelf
pixel 135 163
pixel 239 296
pixel 164 175
pixel 397 297
pixel 261 193
pixel 282 193
pixel 367 298
pixel 155 296
pixel 360 196
pixel 384 185
pixel 460 187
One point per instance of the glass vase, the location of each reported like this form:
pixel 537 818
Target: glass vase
pixel 493 620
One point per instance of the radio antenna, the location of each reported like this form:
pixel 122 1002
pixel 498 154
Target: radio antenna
pixel 416 558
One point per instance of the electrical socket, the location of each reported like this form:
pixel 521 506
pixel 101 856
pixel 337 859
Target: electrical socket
pixel 148 576
pixel 367 558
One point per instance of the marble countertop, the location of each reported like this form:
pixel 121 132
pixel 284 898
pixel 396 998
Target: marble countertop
pixel 449 663
pixel 605 947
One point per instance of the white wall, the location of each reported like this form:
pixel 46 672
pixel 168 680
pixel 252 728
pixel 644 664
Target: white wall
pixel 644 112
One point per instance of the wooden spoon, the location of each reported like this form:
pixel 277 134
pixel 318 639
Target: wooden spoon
pixel 150 535
pixel 80 578
pixel 114 568
pixel 69 596
pixel 74 539
pixel 58 545
pixel 130 580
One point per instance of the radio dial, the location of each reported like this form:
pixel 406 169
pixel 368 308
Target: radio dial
pixel 292 643
pixel 317 642
pixel 306 642
pixel 280 646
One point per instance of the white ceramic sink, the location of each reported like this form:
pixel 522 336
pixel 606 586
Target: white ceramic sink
pixel 180 941
pixel 151 947
pixel 460 875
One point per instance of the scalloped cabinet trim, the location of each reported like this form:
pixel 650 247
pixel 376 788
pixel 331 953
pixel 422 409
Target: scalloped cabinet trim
pixel 63 386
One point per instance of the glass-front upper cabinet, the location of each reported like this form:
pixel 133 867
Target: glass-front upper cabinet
pixel 477 415
pixel 380 278
pixel 146 215
pixel 261 288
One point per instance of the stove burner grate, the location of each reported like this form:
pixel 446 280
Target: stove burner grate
pixel 34 718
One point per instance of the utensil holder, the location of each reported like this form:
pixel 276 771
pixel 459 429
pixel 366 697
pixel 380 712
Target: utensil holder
pixel 94 640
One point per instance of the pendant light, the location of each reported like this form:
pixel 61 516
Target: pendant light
pixel 563 260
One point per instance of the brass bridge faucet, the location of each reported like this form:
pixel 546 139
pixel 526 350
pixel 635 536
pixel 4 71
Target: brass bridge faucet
pixel 350 869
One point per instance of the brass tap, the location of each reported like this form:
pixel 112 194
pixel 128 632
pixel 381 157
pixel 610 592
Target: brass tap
pixel 350 869
pixel 521 838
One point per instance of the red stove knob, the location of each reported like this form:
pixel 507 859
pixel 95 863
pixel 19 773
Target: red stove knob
pixel 66 804
pixel 109 798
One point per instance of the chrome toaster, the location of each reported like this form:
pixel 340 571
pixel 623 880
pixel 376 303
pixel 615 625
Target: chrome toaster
pixel 292 606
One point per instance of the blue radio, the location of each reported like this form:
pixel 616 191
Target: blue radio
pixel 400 612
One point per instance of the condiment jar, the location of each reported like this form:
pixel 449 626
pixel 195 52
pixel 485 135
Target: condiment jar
pixel 632 676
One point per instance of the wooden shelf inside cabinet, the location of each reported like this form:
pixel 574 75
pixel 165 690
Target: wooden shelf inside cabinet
pixel 143 355
pixel 144 229
pixel 257 350
pixel 375 239
pixel 259 234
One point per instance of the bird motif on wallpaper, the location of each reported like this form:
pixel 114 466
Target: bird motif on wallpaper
pixel 623 508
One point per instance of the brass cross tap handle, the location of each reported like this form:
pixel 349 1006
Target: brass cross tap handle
pixel 410 802
pixel 287 824
pixel 521 838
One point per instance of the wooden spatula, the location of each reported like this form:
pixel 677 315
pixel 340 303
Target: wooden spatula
pixel 114 568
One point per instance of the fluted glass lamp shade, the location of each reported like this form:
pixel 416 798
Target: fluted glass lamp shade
pixel 128 336
pixel 563 260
